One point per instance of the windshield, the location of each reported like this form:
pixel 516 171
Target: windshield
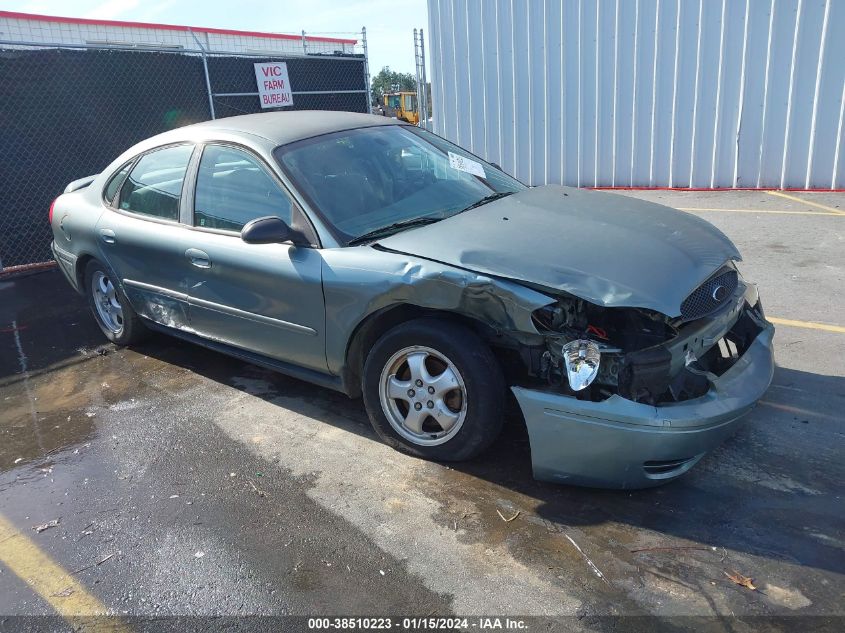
pixel 365 179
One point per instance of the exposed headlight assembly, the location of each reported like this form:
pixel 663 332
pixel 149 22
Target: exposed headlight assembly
pixel 582 358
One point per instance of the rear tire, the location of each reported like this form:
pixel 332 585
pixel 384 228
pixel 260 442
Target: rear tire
pixel 111 309
pixel 433 389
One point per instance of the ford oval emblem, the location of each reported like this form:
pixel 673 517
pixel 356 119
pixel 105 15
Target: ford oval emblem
pixel 719 293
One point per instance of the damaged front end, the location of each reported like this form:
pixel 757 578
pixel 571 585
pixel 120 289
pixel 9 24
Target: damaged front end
pixel 641 355
pixel 640 394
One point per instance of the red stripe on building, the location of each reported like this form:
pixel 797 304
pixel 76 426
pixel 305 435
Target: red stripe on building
pixel 15 15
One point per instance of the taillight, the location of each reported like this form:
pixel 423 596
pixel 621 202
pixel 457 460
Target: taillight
pixel 52 204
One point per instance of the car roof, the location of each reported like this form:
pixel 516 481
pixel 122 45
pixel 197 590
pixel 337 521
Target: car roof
pixel 286 127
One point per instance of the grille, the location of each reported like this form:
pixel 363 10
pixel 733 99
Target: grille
pixel 709 295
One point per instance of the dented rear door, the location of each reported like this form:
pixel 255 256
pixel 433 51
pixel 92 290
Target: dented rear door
pixel 148 258
pixel 141 238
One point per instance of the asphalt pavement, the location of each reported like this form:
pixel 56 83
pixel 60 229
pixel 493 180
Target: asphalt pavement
pixel 184 483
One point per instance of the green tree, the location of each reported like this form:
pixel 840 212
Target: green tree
pixel 391 81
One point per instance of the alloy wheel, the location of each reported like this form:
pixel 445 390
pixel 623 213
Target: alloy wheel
pixel 423 395
pixel 106 302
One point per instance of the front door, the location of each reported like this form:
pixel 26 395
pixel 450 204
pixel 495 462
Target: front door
pixel 265 298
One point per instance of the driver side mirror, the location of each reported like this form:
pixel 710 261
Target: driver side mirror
pixel 267 230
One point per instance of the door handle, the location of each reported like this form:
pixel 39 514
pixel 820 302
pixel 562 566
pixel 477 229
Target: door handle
pixel 198 258
pixel 107 235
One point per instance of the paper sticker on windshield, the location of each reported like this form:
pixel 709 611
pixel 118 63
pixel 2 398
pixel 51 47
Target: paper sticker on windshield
pixel 462 163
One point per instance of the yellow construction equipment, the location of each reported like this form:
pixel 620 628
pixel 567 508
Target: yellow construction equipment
pixel 402 105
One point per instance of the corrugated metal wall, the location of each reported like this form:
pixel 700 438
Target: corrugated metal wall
pixel 678 93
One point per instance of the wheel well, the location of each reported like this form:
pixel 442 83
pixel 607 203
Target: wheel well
pixel 81 264
pixel 376 324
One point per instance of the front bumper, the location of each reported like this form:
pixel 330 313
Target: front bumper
pixel 618 443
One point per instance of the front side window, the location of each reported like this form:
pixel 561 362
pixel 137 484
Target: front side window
pixel 364 179
pixel 233 188
pixel 154 185
pixel 410 102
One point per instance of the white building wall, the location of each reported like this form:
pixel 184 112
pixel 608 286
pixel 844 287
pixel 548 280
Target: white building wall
pixel 677 93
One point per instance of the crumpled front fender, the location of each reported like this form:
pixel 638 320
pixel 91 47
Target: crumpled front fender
pixel 358 282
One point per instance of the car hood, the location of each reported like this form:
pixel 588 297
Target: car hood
pixel 608 249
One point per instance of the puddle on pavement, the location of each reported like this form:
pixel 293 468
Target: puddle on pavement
pixel 57 409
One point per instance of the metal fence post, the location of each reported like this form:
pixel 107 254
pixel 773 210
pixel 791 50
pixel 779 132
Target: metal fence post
pixel 368 97
pixel 205 70
pixel 304 43
pixel 419 84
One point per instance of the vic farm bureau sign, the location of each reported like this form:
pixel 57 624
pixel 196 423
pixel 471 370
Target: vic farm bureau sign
pixel 274 89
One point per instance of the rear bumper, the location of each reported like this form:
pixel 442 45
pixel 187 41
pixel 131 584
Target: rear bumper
pixel 67 264
pixel 618 443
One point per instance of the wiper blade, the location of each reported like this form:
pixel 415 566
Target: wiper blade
pixel 392 228
pixel 486 199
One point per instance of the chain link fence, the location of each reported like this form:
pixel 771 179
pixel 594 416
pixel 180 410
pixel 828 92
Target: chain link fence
pixel 67 111
pixel 319 83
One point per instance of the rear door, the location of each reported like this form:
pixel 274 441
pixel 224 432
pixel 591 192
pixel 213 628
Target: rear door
pixel 142 240
pixel 265 298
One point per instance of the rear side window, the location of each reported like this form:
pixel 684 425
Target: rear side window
pixel 233 188
pixel 115 182
pixel 154 185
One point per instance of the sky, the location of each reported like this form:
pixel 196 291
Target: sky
pixel 390 23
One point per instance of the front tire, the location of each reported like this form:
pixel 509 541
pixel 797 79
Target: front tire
pixel 433 389
pixel 111 309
